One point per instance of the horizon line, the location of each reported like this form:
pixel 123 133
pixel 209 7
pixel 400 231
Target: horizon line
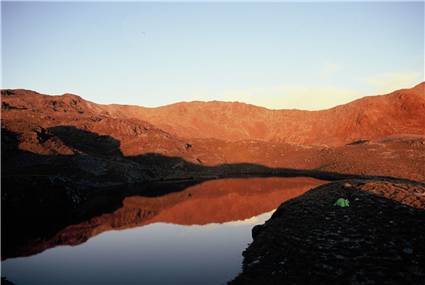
pixel 212 101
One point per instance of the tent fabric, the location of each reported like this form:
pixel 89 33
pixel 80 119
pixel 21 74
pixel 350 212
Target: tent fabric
pixel 341 202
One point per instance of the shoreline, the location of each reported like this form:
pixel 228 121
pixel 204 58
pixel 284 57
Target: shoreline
pixel 378 239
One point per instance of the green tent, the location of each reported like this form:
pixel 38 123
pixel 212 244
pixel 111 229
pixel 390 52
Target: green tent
pixel 341 202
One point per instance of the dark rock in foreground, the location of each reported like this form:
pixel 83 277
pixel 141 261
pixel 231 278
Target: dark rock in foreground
pixel 378 239
pixel 5 281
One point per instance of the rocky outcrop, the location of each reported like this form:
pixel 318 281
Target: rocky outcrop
pixel 378 239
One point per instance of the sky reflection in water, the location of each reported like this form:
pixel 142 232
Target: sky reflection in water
pixel 159 253
pixel 195 236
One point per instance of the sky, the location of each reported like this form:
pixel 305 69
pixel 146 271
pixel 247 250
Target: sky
pixel 277 55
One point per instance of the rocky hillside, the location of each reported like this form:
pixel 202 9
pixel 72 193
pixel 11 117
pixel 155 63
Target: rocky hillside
pixel 58 124
pixel 124 143
pixel 400 112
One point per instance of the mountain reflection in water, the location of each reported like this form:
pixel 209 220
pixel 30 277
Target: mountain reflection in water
pixel 194 236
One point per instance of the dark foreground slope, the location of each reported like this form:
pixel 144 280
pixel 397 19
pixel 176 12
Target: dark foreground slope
pixel 379 239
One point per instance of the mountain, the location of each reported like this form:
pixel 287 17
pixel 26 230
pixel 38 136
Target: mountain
pixel 172 140
pixel 374 117
pixel 402 111
pixel 41 120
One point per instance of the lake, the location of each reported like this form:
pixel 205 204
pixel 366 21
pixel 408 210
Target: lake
pixel 195 236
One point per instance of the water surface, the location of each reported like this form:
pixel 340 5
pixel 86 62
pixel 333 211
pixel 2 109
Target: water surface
pixel 195 236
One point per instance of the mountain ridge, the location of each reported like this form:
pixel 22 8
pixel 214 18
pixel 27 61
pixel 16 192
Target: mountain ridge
pixel 418 87
pixel 370 117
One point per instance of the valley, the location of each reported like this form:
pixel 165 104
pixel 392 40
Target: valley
pixel 73 169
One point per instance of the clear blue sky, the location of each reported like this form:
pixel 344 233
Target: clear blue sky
pixel 279 55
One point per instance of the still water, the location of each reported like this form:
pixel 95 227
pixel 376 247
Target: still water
pixel 196 236
pixel 159 253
